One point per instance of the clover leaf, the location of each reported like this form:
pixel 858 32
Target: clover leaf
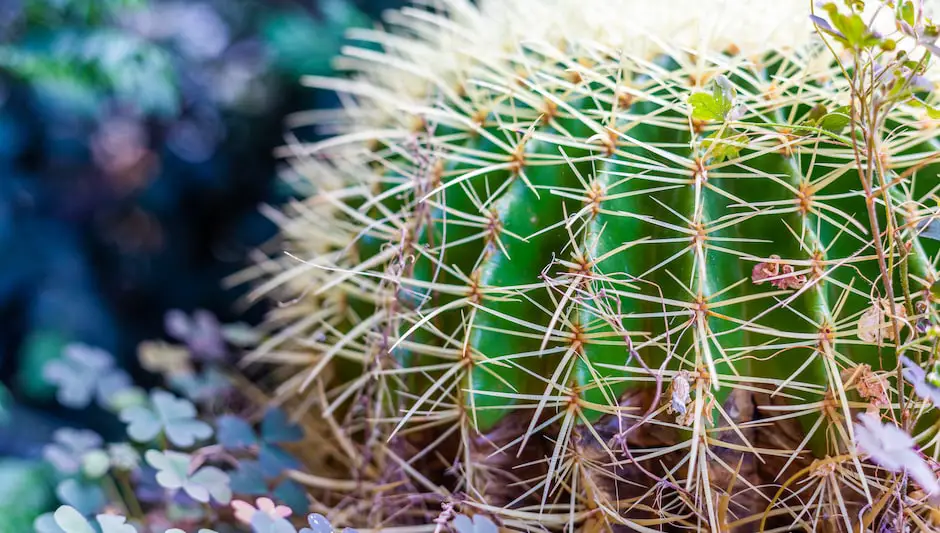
pixel 45 523
pixel 173 472
pixel 276 428
pixel 248 479
pixel 85 497
pixel 275 460
pixel 254 477
pixel 265 523
pixel 67 519
pixel 66 452
pixel 318 524
pixel 123 456
pixel 202 332
pixel 479 524
pixel 82 374
pixel 114 524
pixel 291 494
pixel 200 386
pixel 175 417
pixel 234 432
pixel 71 521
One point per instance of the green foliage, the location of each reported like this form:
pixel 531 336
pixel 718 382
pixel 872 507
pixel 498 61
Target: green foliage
pixel 292 37
pixel 714 105
pixel 25 493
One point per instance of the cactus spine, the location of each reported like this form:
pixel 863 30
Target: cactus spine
pixel 596 264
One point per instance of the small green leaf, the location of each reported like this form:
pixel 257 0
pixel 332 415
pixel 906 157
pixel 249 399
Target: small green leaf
pixel 836 120
pixel 906 12
pixel 724 145
pixel 715 105
pixel 817 112
pixel 932 112
pixel 854 30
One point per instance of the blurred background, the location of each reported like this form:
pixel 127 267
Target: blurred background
pixel 136 141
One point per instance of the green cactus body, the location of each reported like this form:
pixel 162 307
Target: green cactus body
pixel 539 231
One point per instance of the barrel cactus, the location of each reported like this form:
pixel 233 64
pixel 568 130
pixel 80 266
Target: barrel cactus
pixel 611 264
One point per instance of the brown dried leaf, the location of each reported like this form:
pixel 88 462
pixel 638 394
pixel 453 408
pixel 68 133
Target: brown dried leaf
pixel 781 278
pixel 875 324
pixel 873 388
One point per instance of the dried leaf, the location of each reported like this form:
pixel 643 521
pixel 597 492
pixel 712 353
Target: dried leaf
pixel 875 324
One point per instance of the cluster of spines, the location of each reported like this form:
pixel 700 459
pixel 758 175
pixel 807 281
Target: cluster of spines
pixel 562 123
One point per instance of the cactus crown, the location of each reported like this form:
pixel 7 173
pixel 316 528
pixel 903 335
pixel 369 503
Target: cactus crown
pixel 605 262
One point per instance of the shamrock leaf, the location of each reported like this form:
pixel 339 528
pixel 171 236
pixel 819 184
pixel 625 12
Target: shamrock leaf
pixel 291 494
pixel 276 428
pixel 175 417
pixel 114 524
pixel 123 456
pixel 200 386
pixel 480 524
pixel 45 523
pixel 85 497
pixel 234 433
pixel 275 460
pixel 173 473
pixel 202 332
pixel 318 524
pixel 248 479
pixel 84 373
pixel 68 448
pixel 265 523
pixel 715 105
pixel 69 520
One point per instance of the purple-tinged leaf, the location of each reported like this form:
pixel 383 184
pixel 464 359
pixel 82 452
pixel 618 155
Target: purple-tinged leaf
pixel 277 428
pixel 248 479
pixel 291 494
pixel 235 433
pixel 68 447
pixel 274 460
